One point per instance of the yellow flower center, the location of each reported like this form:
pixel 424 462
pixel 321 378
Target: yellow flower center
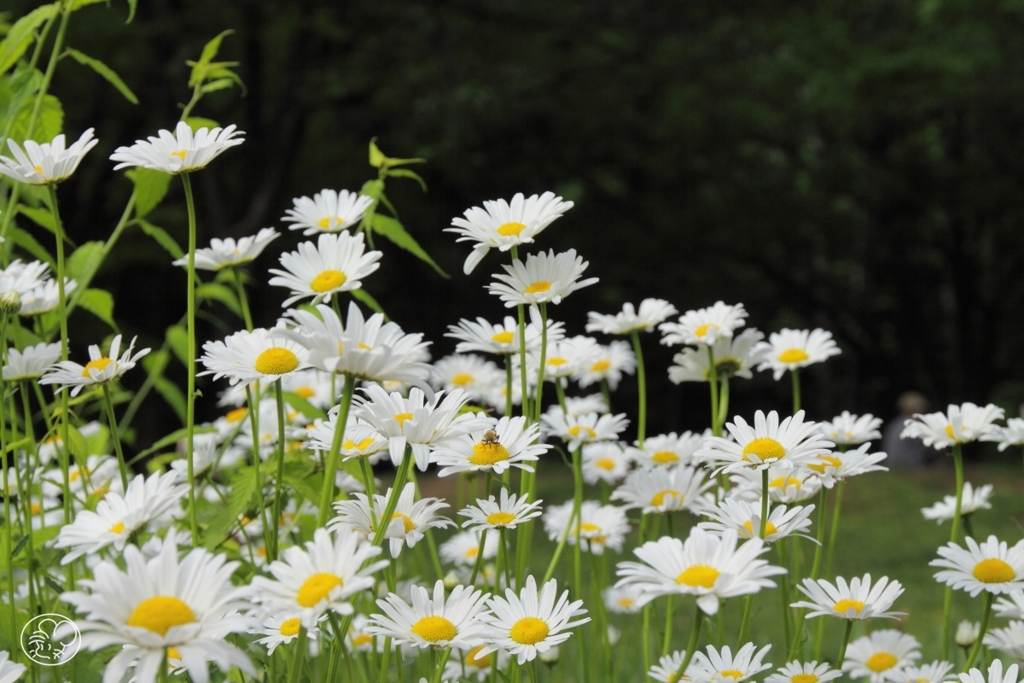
pixel 769 529
pixel 664 457
pixel 289 627
pixel 35 508
pixel 880 661
pixel 305 392
pixel 600 366
pixel 698 575
pixel 793 356
pixel 479 661
pixel 181 153
pixel 844 605
pixel 732 673
pixel 328 280
pixel 98 364
pixel 172 653
pixel 784 482
pixel 500 518
pixel 528 631
pixel 589 527
pixel 488 453
pixel 503 337
pixel 659 497
pixel 471 552
pixel 703 329
pixel 765 449
pixel 407 522
pixel 605 464
pixel 325 222
pixel 316 588
pixel 362 639
pixel 949 432
pixel 237 415
pixel 827 461
pixel 803 678
pixel 349 445
pixel 557 361
pixel 276 361
pixel 510 229
pixel 159 613
pixel 588 433
pixel 462 379
pixel 116 529
pixel 435 629
pixel 626 602
pixel 993 570
pixel 400 418
pixel 538 287
pixel 37 169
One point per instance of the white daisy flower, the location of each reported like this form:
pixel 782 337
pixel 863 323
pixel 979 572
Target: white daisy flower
pixel 501 339
pixel 118 516
pixel 163 602
pixel 608 364
pixel 936 672
pixel 246 357
pixel 667 450
pixel 565 357
pixel 745 519
pixel 841 465
pixel 1010 435
pixel 473 374
pixel 358 441
pixel 971 501
pixel 98 371
pixel 667 668
pixel 432 620
pixel 721 665
pixel 407 523
pixel 990 566
pixel 959 424
pixel 652 313
pixel 229 252
pixel 472 664
pixel 531 622
pixel 794 349
pixel 735 356
pixel 600 526
pixel 45 297
pixel 336 263
pixel 788 444
pixel 881 655
pixel 327 211
pixel 858 600
pixel 46 163
pixel 31 362
pixel 320 578
pixel 544 278
pixel 1009 640
pixel 995 674
pixel 704 325
pixel 282 630
pixel 587 428
pixel 464 547
pixel 9 671
pixel 312 385
pixel 95 479
pixel 804 672
pixel 851 430
pixel 604 461
pixel 706 565
pixel 784 486
pixel 967 632
pixel 1010 607
pixel 357 639
pixel 180 152
pixel 502 225
pixel 624 600
pixel 506 512
pixel 664 489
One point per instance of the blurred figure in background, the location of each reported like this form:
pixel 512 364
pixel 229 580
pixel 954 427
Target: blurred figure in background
pixel 906 453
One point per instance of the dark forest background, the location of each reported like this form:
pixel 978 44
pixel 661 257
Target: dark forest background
pixel 851 165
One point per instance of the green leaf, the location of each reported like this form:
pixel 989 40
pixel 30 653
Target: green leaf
pixel 104 71
pixel 29 243
pixel 308 410
pixel 218 292
pixel 177 337
pixel 22 34
pixel 82 264
pixel 218 84
pixel 48 124
pixel 197 122
pixel 407 173
pixel 303 488
pixel 162 238
pixel 100 303
pixel 172 439
pixel 41 217
pixel 131 10
pixel 379 160
pixel 150 188
pixel 371 303
pixel 243 490
pixel 79 4
pixel 394 231
pixel 372 188
pixel 79 447
pixel 206 57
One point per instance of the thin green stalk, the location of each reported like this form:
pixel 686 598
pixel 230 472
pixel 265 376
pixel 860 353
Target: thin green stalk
pixel 968 528
pixel 577 504
pixel 479 559
pixel 327 493
pixel 190 363
pixel 606 393
pixel 954 537
pixel 981 634
pixel 795 372
pixel 8 526
pixel 713 383
pixel 641 382
pixel 539 400
pixel 115 436
pixel 521 313
pixel 815 567
pixel 602 613
pixel 846 641
pixel 392 503
pixel 33 453
pixel 787 614
pixel 243 300
pixel 272 552
pixel 439 670
pixel 300 655
pixel 748 605
pixel 669 614
pixel 834 529
pixel 723 405
pixel 508 384
pixel 691 647
pixel 252 401
pixel 558 549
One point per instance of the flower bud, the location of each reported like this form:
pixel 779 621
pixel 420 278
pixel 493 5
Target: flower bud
pixel 550 656
pixel 451 580
pixel 613 635
pixel 966 633
pixel 10 302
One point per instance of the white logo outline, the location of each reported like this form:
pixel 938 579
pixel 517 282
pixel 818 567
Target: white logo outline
pixel 42 644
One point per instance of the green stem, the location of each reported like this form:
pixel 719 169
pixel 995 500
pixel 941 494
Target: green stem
pixel 669 613
pixel 981 634
pixel 577 504
pixel 641 382
pixel 392 502
pixel 327 493
pixel 8 525
pixel 190 363
pixel 968 528
pixel 834 529
pixel 691 647
pixel 114 436
pixel 243 300
pixel 846 641
pixel 508 384
pixel 954 537
pixel 300 655
pixel 787 615
pixel 795 372
pixel 272 552
pixel 713 383
pixel 252 401
pixel 521 313
pixel 764 503
pixel 439 671
pixel 558 549
pixel 539 399
pixel 815 567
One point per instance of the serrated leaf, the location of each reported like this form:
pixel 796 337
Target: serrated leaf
pixel 48 123
pixel 197 122
pixel 22 33
pixel 303 488
pixel 308 410
pixel 371 303
pixel 177 338
pixel 395 231
pixel 169 244
pixel 209 52
pixel 218 292
pixel 104 71
pixel 29 243
pixel 100 303
pixel 82 264
pixel 41 217
pixel 150 188
pixel 406 173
